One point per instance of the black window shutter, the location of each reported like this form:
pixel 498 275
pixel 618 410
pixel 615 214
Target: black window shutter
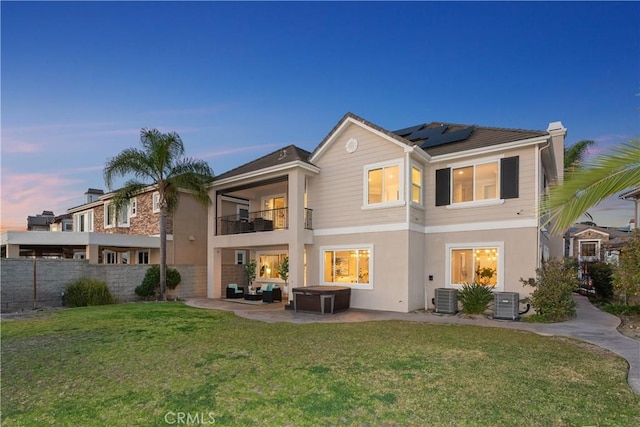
pixel 509 177
pixel 443 187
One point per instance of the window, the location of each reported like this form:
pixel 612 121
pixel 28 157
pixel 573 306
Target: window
pixel 83 222
pixel 110 257
pixel 478 182
pixel 243 212
pixel 143 257
pixel 589 249
pixel 133 207
pixel 241 257
pixel 383 184
pixel 109 216
pixel 489 181
pixel 123 216
pixel 416 185
pixel 268 264
pixel 479 263
pixel 68 226
pixel 156 202
pixel 347 266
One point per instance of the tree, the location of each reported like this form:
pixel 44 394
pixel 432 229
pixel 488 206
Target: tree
pixel 626 276
pixel 574 155
pixel 583 188
pixel 160 163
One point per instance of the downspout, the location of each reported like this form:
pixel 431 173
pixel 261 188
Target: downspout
pixel 537 201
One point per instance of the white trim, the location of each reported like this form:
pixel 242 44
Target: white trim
pixel 476 204
pixel 491 149
pixel 592 230
pixel 474 164
pixel 153 202
pixel 483 226
pixel 264 171
pixel 401 179
pixel 133 207
pixel 244 257
pixel 449 228
pixel 474 245
pixel 416 165
pixel 336 134
pixel 354 247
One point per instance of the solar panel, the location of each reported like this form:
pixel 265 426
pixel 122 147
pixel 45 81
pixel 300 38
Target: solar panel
pixel 445 138
pixel 427 133
pixel 407 131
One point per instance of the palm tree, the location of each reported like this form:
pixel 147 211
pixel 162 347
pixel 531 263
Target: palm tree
pixel 161 164
pixel 583 188
pixel 574 155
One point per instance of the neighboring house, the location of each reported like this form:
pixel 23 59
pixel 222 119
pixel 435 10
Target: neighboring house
pixel 634 195
pixel 393 215
pixel 588 243
pixel 62 223
pixel 40 222
pixel 130 236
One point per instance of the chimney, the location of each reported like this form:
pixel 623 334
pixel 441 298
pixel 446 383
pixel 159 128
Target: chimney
pixel 93 194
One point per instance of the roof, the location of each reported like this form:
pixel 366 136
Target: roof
pixel 631 194
pixel 279 157
pixel 437 138
pixel 613 233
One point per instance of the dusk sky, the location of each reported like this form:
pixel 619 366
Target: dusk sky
pixel 240 80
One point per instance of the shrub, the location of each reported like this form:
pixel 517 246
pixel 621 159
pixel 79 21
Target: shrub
pixel 475 298
pixel 622 309
pixel 626 277
pixel 151 281
pixel 552 298
pixel 600 274
pixel 86 292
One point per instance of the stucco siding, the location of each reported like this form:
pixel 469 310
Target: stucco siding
pixel 390 268
pixel 190 232
pixel 520 256
pixel 337 194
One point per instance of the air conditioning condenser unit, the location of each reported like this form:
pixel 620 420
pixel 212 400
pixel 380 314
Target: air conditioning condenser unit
pixel 446 301
pixel 506 305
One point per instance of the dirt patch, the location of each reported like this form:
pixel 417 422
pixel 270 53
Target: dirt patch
pixel 630 326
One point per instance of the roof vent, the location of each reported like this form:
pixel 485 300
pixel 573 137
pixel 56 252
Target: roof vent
pixel 283 154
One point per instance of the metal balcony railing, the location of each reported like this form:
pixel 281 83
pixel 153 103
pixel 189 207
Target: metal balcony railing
pixel 253 222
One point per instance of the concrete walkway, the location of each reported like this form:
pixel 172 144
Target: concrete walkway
pixel 590 324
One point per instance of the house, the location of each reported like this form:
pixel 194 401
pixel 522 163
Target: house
pixel 633 195
pixel 391 214
pixel 587 243
pixel 130 236
pixel 40 222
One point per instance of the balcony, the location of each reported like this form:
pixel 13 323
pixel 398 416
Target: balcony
pixel 255 222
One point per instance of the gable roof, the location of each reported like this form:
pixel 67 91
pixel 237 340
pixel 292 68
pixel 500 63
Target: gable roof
pixel 279 157
pixel 437 138
pixel 353 118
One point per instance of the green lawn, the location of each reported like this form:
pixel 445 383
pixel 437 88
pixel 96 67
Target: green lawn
pixel 146 364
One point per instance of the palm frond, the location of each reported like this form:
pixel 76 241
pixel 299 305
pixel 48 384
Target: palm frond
pixel 602 177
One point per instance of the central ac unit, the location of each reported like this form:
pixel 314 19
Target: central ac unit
pixel 446 301
pixel 506 305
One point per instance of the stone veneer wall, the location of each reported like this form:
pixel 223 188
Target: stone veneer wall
pixel 53 275
pixel 145 223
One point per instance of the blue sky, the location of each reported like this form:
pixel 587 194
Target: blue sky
pixel 240 80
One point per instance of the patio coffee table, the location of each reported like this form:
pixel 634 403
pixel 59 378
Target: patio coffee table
pixel 253 297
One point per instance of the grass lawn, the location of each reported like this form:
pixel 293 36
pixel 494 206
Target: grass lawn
pixel 145 364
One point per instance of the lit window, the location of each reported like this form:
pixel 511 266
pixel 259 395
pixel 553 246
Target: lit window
pixel 383 184
pixel 478 182
pixel 416 185
pixel 268 265
pixel 347 266
pixel 475 264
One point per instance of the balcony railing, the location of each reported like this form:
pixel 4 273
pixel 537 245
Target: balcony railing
pixel 267 220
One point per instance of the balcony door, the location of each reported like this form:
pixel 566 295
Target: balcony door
pixel 274 209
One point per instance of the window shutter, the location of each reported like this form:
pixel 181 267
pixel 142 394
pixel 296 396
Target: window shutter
pixel 509 177
pixel 443 187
